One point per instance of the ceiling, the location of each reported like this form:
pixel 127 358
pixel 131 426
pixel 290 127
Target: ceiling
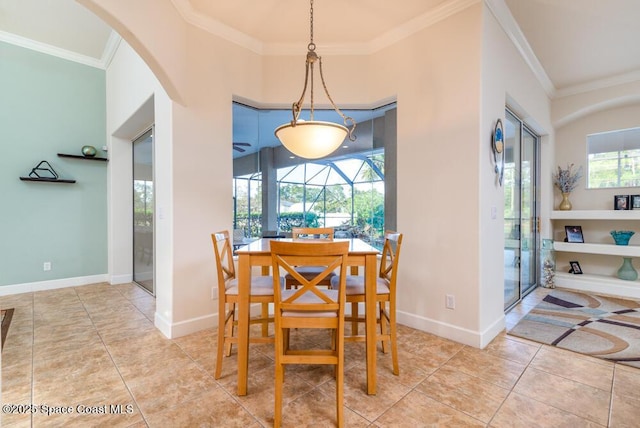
pixel 577 42
pixel 572 45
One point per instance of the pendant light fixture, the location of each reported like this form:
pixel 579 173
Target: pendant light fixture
pixel 312 139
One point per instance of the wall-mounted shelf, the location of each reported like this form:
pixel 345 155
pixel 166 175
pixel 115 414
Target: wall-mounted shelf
pixel 64 155
pixel 47 180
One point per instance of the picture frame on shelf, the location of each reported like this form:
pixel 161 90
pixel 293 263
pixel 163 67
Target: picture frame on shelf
pixel 575 268
pixel 635 202
pixel 574 234
pixel 621 202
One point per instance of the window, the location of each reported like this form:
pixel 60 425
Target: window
pixel 346 194
pixel 614 159
pixel 345 191
pixel 247 204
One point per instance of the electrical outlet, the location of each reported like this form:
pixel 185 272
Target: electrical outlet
pixel 46 266
pixel 450 301
pixel 214 293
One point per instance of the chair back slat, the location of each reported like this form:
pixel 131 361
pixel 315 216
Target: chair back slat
pixel 287 256
pixel 390 257
pixel 317 233
pixel 224 258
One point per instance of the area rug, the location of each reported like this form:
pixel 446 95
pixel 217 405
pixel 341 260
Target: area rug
pixel 599 326
pixel 7 314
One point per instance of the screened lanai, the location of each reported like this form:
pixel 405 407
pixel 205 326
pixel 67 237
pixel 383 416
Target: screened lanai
pixel 348 190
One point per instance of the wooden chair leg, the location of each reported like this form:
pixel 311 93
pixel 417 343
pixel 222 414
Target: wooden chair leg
pixel 222 316
pixel 354 320
pixel 265 320
pixel 277 414
pixel 383 327
pixel 229 328
pixel 394 339
pixel 340 385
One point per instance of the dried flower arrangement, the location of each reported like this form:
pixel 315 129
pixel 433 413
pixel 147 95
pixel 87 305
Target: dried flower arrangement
pixel 566 180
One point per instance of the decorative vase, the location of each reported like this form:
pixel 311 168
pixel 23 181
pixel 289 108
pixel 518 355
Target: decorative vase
pixel 547 264
pixel 565 204
pixel 89 151
pixel 626 271
pixel 622 236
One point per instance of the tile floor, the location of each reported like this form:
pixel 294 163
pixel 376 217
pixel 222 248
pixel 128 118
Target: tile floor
pixel 79 353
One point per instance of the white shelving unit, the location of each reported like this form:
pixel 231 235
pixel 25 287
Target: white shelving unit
pixel 596 215
pixel 603 284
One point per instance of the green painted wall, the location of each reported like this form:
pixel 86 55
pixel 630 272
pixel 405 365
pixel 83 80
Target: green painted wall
pixel 49 106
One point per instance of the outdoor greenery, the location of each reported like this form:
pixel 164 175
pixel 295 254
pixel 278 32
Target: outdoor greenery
pixel 614 169
pixel 356 210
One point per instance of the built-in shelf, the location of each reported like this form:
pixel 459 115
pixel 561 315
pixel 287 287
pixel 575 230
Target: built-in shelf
pixel 605 220
pixel 47 180
pixel 587 248
pixel 64 155
pixel 596 215
pixel 602 284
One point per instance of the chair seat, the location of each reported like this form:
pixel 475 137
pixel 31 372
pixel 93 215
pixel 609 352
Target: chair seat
pixel 260 286
pixel 355 285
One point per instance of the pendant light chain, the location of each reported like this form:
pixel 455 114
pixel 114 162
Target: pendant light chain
pixel 311 139
pixel 312 45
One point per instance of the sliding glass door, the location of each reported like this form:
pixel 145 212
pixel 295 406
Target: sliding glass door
pixel 143 204
pixel 520 210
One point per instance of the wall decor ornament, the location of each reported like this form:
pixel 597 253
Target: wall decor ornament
pixel 627 271
pixel 89 151
pixel 44 170
pixel 497 146
pixel 547 264
pixel 566 180
pixel 621 237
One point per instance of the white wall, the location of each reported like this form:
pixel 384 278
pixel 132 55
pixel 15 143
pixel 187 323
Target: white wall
pixel 135 101
pixel 507 80
pixel 435 75
pixel 572 144
pixel 449 94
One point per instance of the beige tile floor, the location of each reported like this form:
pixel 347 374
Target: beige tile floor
pixel 75 352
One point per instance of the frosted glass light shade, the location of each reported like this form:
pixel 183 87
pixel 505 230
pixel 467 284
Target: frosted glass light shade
pixel 311 139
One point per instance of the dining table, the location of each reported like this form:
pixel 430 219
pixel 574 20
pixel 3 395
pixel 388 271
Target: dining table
pixel 258 254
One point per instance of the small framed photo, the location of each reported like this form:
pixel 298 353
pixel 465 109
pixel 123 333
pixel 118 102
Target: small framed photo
pixel 621 202
pixel 635 202
pixel 574 233
pixel 575 268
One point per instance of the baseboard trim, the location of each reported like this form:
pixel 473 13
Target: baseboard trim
pixel 193 325
pixel 452 332
pixel 121 279
pixel 53 284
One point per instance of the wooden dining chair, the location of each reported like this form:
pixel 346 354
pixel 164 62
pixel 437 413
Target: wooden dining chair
pixel 385 298
pixel 310 307
pixel 305 234
pixel 261 292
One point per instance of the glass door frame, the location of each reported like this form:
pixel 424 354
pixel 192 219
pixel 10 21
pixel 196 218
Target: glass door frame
pixel 534 216
pixel 147 133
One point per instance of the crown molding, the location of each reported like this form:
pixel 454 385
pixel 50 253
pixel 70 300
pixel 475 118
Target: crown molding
pixel 216 27
pixel 594 85
pixel 440 13
pixel 110 49
pixel 506 20
pixel 418 23
pixel 107 55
